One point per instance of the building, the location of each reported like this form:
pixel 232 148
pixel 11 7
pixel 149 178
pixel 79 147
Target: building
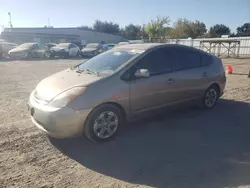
pixel 58 35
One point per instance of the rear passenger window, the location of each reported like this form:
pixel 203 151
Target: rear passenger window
pixel 188 60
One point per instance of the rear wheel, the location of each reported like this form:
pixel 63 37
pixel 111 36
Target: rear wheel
pixel 211 97
pixel 103 123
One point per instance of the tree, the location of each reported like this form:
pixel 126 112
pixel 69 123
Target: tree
pixel 157 28
pixel 84 27
pixel 179 29
pixel 244 30
pixel 195 29
pixel 218 30
pixel 183 28
pixel 131 32
pixel 106 27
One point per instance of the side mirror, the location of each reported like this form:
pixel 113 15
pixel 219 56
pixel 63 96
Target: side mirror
pixel 142 73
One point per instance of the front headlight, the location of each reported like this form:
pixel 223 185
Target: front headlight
pixel 66 97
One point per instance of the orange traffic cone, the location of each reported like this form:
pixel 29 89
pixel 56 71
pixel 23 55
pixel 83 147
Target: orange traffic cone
pixel 229 69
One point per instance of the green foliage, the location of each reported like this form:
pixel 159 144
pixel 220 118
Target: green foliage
pixel 84 27
pixel 132 32
pixel 218 30
pixel 244 30
pixel 158 27
pixel 183 29
pixel 106 27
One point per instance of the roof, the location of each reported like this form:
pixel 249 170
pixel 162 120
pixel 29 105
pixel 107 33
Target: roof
pixel 143 46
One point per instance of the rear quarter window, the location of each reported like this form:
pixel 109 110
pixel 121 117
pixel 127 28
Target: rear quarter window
pixel 188 60
pixel 206 60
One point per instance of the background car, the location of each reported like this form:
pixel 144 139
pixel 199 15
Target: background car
pixel 92 49
pixel 5 47
pixel 111 45
pixel 47 48
pixel 26 50
pixel 122 83
pixel 65 50
pixel 122 43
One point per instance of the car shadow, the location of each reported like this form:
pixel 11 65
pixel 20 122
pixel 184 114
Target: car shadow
pixel 184 148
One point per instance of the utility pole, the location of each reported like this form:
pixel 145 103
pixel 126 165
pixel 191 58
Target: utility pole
pixel 10 23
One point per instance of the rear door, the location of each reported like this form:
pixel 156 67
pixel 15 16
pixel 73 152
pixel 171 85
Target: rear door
pixel 157 90
pixel 191 74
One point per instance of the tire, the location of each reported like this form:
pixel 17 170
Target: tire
pixel 97 125
pixel 211 97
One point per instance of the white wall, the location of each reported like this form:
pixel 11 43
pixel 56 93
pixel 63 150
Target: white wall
pixel 244 45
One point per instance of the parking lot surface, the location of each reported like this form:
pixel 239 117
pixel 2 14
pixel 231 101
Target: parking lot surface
pixel 185 148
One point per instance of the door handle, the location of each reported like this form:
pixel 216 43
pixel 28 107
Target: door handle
pixel 170 81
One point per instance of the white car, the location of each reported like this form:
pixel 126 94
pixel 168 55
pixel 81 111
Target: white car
pixel 111 45
pixel 5 47
pixel 65 50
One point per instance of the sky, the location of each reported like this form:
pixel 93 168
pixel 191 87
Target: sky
pixel 73 13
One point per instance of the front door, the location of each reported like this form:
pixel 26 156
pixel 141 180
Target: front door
pixel 157 90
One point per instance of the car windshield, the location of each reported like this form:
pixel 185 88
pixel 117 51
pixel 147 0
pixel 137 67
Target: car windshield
pixel 92 45
pixel 26 45
pixel 107 62
pixel 111 45
pixel 64 45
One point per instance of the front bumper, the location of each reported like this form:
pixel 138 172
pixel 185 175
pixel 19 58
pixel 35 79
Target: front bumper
pixel 58 123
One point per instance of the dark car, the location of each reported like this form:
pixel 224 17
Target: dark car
pixel 92 49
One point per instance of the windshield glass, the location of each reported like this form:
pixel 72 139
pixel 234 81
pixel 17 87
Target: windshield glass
pixel 92 45
pixel 26 45
pixel 64 45
pixel 108 61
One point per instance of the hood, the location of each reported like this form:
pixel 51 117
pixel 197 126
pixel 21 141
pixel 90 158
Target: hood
pixel 57 48
pixel 18 50
pixel 55 84
pixel 89 49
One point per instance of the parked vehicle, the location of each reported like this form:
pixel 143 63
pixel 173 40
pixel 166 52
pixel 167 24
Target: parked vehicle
pixel 26 50
pixel 47 47
pixel 92 49
pixel 110 46
pixel 97 96
pixel 122 43
pixel 65 50
pixel 5 47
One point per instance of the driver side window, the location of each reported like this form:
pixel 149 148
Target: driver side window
pixel 159 61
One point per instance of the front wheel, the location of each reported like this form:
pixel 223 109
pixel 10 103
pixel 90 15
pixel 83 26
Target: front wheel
pixel 211 97
pixel 103 123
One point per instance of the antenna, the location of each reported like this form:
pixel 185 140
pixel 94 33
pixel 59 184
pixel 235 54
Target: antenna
pixel 48 22
pixel 10 23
